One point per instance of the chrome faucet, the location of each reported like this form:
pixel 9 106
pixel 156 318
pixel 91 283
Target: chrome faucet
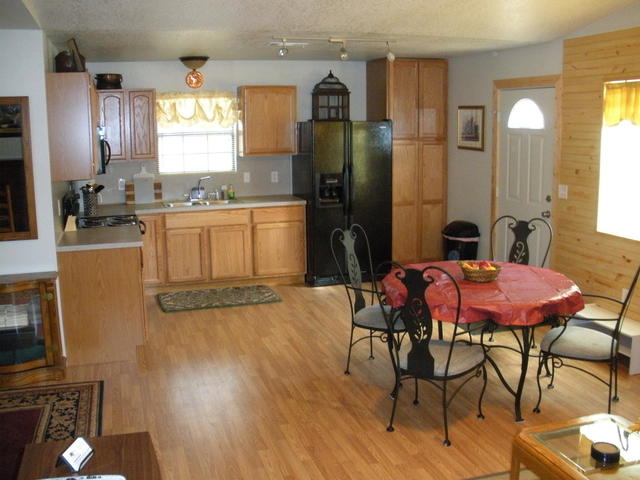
pixel 197 193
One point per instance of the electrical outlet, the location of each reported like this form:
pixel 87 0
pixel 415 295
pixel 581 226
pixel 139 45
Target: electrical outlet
pixel 121 183
pixel 563 191
pixel 247 177
pixel 274 176
pixel 625 292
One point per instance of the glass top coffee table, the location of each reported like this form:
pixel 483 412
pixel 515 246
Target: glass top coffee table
pixel 562 450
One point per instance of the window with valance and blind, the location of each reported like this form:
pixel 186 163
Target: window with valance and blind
pixel 619 191
pixel 196 132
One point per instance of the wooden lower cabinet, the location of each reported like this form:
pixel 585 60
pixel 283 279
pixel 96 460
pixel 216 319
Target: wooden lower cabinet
pixel 230 252
pixel 186 254
pixel 419 194
pixel 279 248
pixel 229 244
pixel 153 249
pixel 103 310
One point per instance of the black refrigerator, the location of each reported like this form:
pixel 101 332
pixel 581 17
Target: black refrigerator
pixel 343 171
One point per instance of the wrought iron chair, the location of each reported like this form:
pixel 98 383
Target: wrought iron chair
pixel 436 361
pixel 363 302
pixel 519 249
pixel 591 335
pixel 522 229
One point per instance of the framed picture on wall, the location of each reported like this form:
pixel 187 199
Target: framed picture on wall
pixel 471 127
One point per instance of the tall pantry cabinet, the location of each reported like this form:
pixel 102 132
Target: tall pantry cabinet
pixel 413 93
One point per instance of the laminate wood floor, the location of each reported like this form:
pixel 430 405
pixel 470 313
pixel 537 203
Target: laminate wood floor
pixel 258 392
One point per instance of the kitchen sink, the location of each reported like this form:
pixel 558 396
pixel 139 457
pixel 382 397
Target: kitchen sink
pixel 195 203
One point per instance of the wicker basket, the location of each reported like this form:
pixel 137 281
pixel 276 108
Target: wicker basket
pixel 482 276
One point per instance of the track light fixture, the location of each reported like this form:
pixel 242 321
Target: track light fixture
pixel 283 42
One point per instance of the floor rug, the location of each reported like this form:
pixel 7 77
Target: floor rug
pixel 41 414
pixel 216 298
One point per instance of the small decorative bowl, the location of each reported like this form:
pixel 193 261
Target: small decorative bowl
pixel 479 274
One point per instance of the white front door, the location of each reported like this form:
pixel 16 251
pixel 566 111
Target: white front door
pixel 525 166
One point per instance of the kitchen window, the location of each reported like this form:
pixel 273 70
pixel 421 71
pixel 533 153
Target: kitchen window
pixel 618 192
pixel 197 132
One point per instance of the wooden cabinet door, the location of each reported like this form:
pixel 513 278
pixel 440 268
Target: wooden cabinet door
pixel 153 250
pixel 142 134
pixel 433 196
pixel 406 197
pixel 432 104
pixel 186 255
pixel 268 120
pixel 112 118
pixel 279 248
pixel 72 121
pixel 230 252
pixel 404 99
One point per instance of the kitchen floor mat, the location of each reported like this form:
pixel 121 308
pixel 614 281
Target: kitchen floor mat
pixel 216 298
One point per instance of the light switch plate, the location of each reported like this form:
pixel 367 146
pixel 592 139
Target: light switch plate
pixel 247 177
pixel 274 176
pixel 563 191
pixel 121 183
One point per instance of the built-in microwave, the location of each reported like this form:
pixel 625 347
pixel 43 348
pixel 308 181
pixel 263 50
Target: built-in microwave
pixel 104 151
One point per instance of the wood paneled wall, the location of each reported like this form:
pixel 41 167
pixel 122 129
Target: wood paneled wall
pixel 598 262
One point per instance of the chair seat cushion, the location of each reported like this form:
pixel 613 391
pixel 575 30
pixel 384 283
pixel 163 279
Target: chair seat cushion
pixel 371 317
pixel 578 342
pixel 464 358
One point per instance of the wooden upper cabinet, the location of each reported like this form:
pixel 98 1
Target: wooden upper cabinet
pixel 412 93
pixel 267 120
pixel 143 143
pixel 72 118
pixel 112 118
pixel 404 99
pixel 129 118
pixel 432 101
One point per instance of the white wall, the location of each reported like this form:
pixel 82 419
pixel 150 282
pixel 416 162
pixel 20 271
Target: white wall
pixel 471 83
pixel 22 67
pixel 227 76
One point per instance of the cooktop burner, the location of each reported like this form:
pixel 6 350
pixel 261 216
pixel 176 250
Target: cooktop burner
pixel 108 221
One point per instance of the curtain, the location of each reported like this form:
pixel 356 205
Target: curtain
pixel 206 108
pixel 622 102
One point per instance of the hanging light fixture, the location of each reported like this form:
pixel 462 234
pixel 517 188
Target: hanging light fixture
pixel 283 50
pixel 344 55
pixel 390 56
pixel 194 79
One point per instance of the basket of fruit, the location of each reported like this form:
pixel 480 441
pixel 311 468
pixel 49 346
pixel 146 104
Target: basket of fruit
pixel 482 271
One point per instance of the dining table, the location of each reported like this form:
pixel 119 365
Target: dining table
pixel 519 299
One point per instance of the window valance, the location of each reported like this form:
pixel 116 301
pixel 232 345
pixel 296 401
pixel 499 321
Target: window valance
pixel 186 109
pixel 622 102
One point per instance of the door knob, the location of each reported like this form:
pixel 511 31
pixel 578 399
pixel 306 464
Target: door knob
pixel 548 198
pixel 546 213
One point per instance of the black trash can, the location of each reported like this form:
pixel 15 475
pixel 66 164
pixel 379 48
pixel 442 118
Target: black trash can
pixel 460 240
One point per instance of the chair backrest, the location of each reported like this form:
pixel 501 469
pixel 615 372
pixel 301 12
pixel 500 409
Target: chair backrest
pixel 627 301
pixel 522 229
pixel 345 245
pixel 417 318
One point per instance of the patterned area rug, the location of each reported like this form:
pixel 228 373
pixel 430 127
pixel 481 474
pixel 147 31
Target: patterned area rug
pixel 41 414
pixel 216 298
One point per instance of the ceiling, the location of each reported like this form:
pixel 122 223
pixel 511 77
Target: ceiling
pixel 137 30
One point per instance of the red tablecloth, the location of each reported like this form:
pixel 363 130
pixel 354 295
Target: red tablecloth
pixel 521 295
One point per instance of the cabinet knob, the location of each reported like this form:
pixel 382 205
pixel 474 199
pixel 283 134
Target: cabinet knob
pixel 49 296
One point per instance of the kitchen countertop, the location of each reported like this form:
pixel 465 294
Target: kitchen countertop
pixel 100 238
pixel 129 236
pixel 244 202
